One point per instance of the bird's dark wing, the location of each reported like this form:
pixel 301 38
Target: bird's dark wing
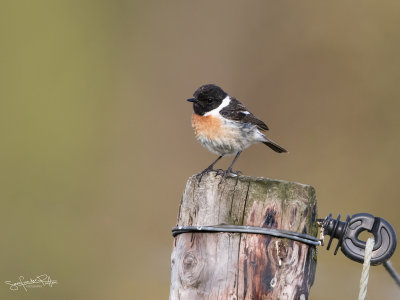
pixel 236 111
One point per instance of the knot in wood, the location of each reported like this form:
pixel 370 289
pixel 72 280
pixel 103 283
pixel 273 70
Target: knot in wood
pixel 189 261
pixel 190 268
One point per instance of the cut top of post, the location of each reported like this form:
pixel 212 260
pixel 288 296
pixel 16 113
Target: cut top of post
pixel 249 201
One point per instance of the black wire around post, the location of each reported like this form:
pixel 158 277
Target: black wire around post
pixel 299 237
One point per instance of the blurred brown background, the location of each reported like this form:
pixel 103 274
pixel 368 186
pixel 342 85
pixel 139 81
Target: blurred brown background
pixel 96 138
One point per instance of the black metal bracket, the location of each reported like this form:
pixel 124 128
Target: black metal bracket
pixel 347 232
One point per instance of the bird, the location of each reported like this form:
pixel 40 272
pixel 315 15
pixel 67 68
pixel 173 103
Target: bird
pixel 224 126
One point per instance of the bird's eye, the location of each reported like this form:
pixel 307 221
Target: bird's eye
pixel 209 100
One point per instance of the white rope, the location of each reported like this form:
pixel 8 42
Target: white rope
pixel 365 271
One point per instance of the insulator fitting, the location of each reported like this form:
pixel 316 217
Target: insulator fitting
pixel 347 232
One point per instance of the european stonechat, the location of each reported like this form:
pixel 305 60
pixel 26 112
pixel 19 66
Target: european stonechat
pixel 224 126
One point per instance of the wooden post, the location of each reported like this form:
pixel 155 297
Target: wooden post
pixel 244 266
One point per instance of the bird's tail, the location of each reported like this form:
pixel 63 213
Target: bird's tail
pixel 274 146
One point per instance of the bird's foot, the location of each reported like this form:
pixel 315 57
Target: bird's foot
pixel 201 174
pixel 229 172
pixel 219 172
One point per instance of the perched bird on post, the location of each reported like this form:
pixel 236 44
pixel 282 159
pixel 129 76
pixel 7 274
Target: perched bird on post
pixel 224 126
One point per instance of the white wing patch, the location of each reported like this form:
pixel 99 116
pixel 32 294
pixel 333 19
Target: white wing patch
pixel 215 112
pixel 245 112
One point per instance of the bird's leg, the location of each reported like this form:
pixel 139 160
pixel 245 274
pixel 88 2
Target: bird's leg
pixel 229 170
pixel 233 162
pixel 208 169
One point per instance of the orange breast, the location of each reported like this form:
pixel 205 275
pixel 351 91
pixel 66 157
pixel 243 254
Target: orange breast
pixel 209 127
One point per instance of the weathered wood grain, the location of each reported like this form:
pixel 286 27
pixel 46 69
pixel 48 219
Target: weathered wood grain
pixel 244 266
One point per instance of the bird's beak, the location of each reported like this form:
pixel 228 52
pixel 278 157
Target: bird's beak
pixel 191 100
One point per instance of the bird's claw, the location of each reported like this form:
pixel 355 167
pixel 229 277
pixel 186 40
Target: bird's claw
pixel 229 172
pixel 201 174
pixel 237 173
pixel 219 172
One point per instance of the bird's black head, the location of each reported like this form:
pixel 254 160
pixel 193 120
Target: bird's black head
pixel 207 98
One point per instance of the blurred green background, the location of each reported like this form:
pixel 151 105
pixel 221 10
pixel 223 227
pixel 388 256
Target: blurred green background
pixel 97 145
